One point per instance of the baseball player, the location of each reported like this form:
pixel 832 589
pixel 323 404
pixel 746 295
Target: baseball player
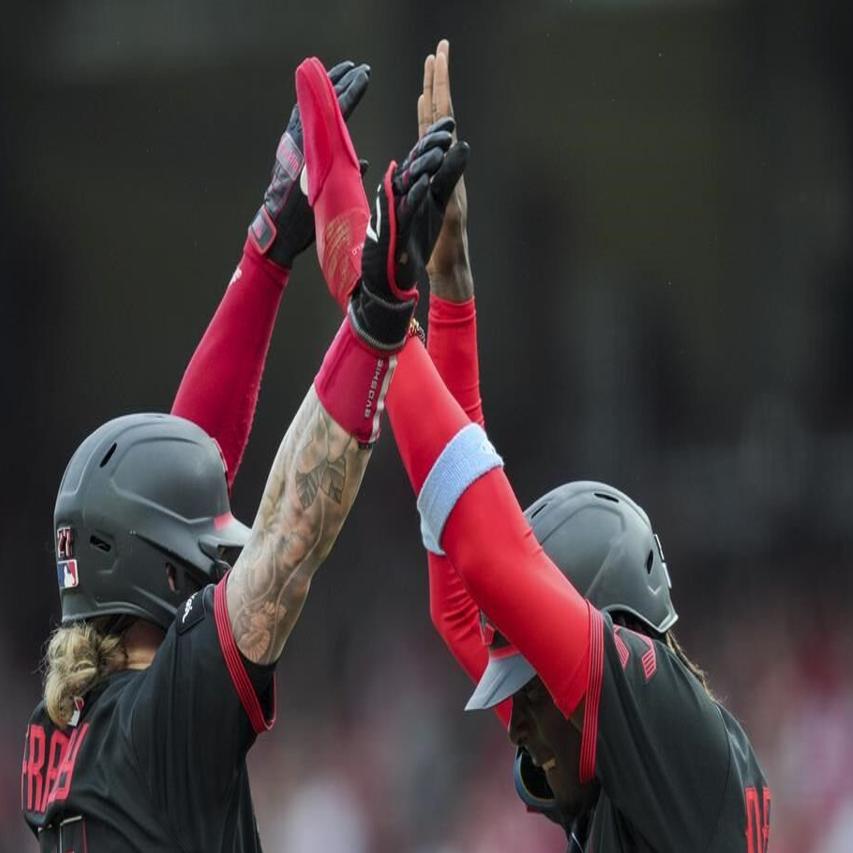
pixel 562 615
pixel 161 675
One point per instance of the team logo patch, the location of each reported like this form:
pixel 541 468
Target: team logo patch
pixel 64 543
pixel 66 574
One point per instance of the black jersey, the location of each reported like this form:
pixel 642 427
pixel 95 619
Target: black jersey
pixel 156 760
pixel 677 772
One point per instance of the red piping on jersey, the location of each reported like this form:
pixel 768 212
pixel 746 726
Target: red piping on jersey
pixel 621 648
pixel 236 668
pixel 589 738
pixel 649 659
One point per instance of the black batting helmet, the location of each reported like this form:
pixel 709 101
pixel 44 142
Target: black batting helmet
pixel 604 544
pixel 142 519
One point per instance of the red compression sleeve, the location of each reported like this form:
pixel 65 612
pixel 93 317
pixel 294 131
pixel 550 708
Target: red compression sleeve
pixel 219 390
pixel 489 541
pixel 452 346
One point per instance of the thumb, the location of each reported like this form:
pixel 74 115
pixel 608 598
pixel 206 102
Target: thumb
pixel 450 172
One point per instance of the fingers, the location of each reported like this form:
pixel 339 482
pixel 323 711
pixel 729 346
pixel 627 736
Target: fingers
pixel 351 87
pixel 417 193
pixel 443 125
pixel 411 203
pixel 425 118
pixel 345 80
pixel 427 164
pixel 340 69
pixel 450 172
pixel 438 135
pixel 441 102
pixel 423 160
pixel 423 115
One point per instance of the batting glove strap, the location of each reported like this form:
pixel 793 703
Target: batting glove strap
pixel 284 224
pixel 467 457
pixel 380 323
pixel 352 384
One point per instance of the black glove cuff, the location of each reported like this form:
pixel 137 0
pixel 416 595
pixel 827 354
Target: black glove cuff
pixel 381 324
pixel 262 230
pixel 283 234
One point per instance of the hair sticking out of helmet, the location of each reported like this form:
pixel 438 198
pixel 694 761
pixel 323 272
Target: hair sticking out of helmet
pixel 78 656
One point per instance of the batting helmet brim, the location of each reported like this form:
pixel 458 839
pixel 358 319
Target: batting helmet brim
pixel 231 533
pixel 503 677
pixel 225 540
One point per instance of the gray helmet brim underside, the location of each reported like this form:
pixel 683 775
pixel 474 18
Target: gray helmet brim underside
pixel 502 678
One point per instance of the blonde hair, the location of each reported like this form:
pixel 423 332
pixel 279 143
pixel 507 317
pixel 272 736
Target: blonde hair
pixel 698 673
pixel 78 657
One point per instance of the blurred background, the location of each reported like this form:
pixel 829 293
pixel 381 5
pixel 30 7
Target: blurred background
pixel 661 201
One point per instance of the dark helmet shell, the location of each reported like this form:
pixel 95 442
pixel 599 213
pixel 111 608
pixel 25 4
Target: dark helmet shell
pixel 145 499
pixel 604 543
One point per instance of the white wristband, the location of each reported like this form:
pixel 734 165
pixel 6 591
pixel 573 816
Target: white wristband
pixel 467 456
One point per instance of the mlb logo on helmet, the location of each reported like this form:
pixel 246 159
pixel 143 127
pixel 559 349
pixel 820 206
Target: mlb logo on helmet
pixel 66 574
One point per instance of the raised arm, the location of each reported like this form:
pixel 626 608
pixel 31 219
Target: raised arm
pixel 311 487
pixel 452 338
pixel 319 467
pixel 452 345
pixel 219 390
pixel 469 511
pixel 449 266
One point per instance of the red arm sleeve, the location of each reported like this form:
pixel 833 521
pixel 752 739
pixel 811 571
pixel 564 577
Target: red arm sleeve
pixel 452 346
pixel 489 541
pixel 219 390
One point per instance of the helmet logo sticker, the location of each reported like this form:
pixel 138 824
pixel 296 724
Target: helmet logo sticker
pixel 66 574
pixel 64 543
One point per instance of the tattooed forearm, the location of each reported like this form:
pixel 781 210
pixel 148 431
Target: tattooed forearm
pixel 311 487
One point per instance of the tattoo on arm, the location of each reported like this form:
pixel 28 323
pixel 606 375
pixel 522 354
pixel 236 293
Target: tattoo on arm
pixel 311 487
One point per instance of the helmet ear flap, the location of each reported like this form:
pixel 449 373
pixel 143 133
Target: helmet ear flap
pixel 533 788
pixel 180 579
pixel 224 556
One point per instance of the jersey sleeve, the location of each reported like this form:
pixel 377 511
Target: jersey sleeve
pixel 653 737
pixel 195 714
